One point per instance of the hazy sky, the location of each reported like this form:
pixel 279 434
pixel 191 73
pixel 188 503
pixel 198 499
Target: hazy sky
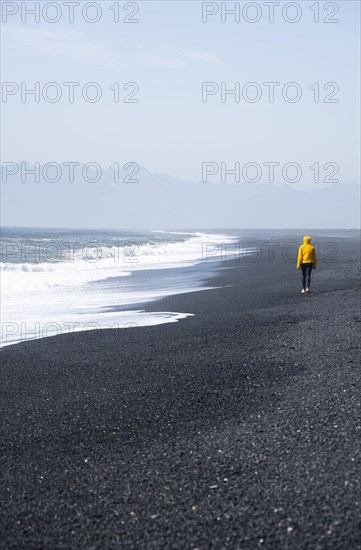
pixel 169 53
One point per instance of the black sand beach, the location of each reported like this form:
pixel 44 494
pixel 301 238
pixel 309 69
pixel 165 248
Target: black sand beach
pixel 237 428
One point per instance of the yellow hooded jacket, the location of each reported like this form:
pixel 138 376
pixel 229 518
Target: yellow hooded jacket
pixel 306 253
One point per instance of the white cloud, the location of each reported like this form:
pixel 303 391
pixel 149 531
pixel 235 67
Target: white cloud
pixel 63 44
pixel 80 47
pixel 205 57
pixel 154 60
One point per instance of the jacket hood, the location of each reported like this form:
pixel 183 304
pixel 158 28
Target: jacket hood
pixel 306 239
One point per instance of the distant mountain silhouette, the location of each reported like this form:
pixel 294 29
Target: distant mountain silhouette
pixel 159 201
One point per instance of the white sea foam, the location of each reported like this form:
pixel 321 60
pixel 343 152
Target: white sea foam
pixel 85 289
pixel 14 333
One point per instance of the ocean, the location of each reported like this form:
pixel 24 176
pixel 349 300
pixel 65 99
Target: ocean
pixel 58 281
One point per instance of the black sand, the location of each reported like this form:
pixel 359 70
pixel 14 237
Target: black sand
pixel 237 428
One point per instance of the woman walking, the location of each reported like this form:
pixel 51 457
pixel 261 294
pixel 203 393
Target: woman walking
pixel 306 260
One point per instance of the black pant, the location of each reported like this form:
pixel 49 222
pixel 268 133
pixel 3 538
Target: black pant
pixel 306 275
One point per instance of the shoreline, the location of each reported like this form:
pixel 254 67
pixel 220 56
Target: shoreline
pixel 42 299
pixel 200 276
pixel 236 428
